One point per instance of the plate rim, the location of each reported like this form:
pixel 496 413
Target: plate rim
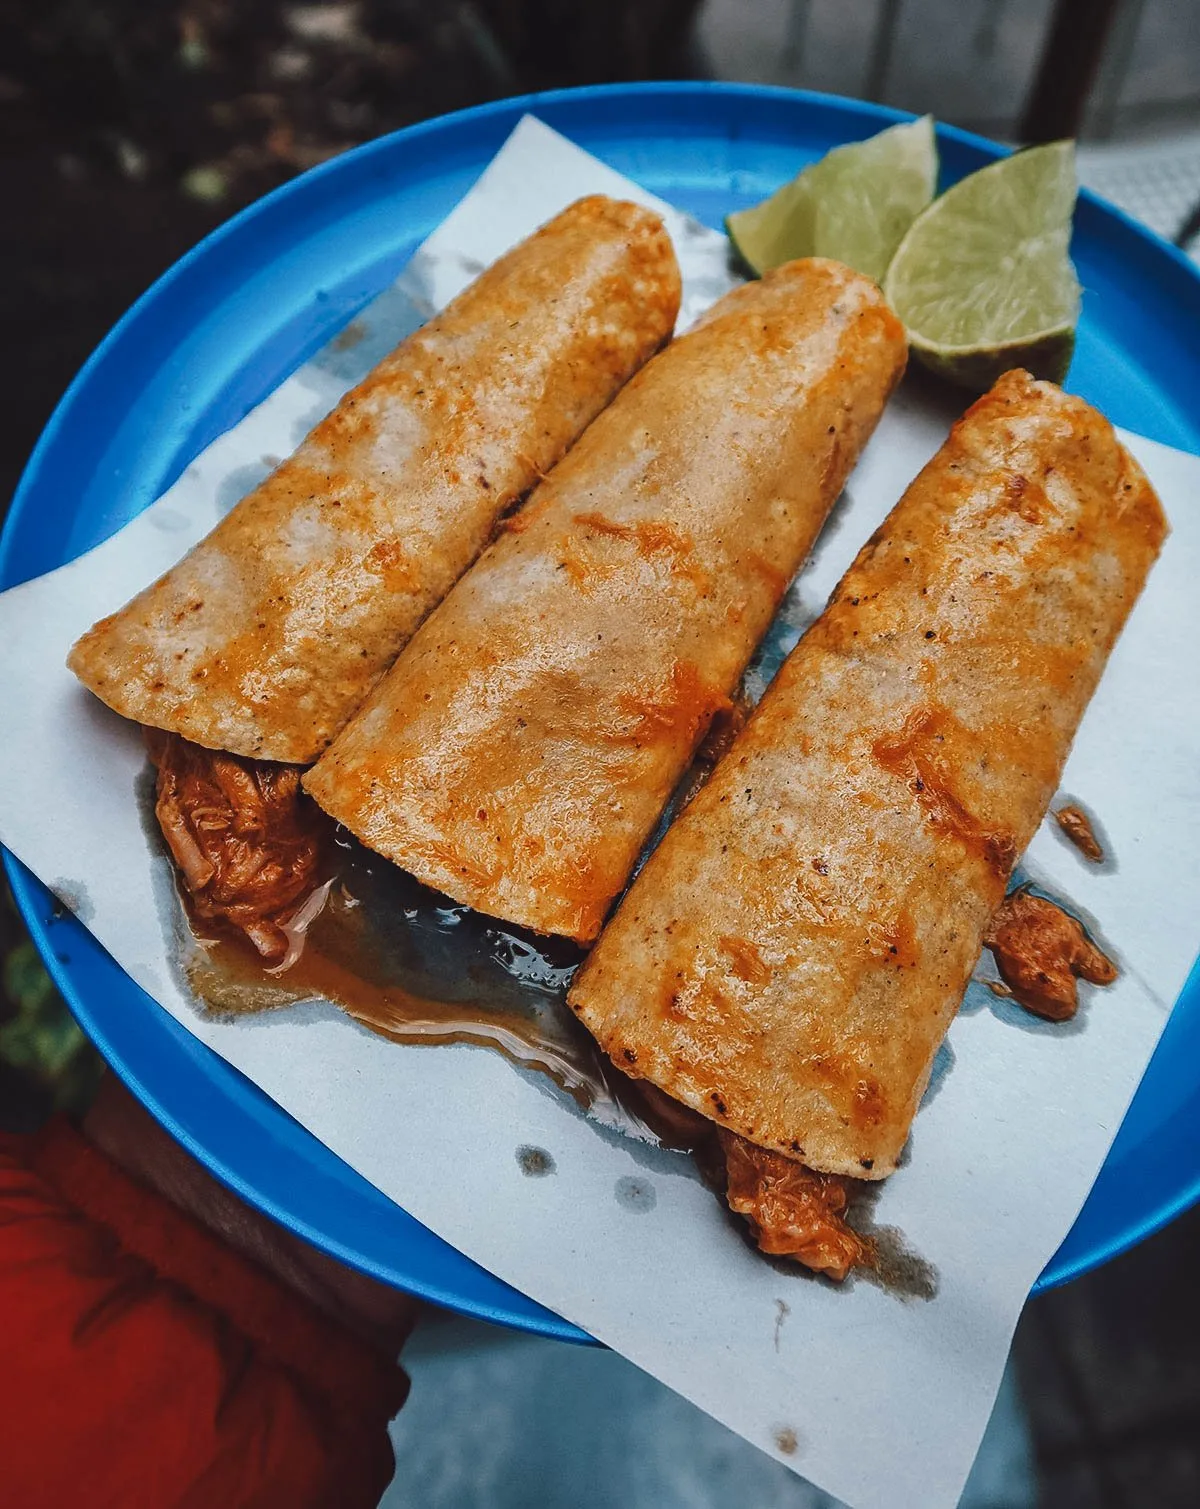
pixel 32 897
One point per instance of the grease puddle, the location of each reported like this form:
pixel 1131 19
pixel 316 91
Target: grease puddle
pixel 417 968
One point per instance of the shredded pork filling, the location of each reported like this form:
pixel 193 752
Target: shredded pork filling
pixel 1042 953
pixel 792 1211
pixel 249 845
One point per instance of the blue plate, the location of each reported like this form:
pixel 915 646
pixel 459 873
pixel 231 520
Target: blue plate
pixel 241 311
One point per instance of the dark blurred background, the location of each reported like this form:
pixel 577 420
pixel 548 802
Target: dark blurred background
pixel 130 129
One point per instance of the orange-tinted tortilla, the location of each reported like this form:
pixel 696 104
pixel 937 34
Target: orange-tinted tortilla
pixel 522 748
pixel 267 637
pixel 792 954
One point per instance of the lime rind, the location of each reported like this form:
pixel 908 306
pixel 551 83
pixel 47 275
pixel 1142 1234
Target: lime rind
pixel 983 278
pixel 977 368
pixel 854 205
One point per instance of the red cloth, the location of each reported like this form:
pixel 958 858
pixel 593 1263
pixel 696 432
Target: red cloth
pixel 143 1365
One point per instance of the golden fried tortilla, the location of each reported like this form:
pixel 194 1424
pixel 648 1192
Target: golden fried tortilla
pixel 267 637
pixel 793 952
pixel 522 748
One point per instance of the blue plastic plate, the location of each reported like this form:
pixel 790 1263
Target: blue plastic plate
pixel 242 310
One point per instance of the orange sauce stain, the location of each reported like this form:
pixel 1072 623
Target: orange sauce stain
pixel 895 942
pixel 581 572
pixel 679 709
pixel 857 1095
pixel 773 578
pixel 917 756
pixel 652 537
pixel 388 559
pixel 524 518
pixel 745 960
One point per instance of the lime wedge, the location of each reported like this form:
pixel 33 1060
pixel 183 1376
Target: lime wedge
pixel 854 205
pixel 983 280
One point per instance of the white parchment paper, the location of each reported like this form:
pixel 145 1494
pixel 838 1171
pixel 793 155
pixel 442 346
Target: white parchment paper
pixel 880 1400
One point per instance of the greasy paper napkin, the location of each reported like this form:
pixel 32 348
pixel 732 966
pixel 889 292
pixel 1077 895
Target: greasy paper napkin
pixel 879 1399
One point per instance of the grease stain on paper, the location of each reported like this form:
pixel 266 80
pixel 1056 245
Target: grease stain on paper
pixel 535 1162
pixel 786 1440
pixel 350 336
pixel 636 1195
pixel 241 481
pixel 73 895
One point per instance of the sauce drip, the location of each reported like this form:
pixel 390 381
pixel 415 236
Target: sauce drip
pixel 917 756
pixel 417 968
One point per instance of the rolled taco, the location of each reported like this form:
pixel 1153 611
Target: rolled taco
pixel 519 753
pixel 268 635
pixel 790 957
